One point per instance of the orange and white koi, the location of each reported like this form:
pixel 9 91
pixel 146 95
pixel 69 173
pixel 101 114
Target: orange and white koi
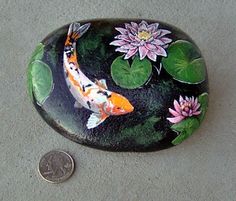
pixel 93 96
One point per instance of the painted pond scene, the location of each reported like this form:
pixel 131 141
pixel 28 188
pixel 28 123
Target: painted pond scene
pixel 120 85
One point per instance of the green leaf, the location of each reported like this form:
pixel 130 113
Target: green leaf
pixel 144 133
pixel 184 62
pixel 40 80
pixel 130 77
pixel 185 129
pixel 29 84
pixel 38 53
pixel 180 138
pixel 203 100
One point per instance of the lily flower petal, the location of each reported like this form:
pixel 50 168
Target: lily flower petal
pixel 151 55
pixel 160 51
pixel 186 107
pixel 143 52
pixel 130 53
pixel 118 42
pixel 122 30
pixel 175 120
pixel 173 112
pixel 120 49
pixel 177 106
pixel 147 39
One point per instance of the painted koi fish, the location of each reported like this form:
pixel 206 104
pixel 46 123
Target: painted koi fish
pixel 93 96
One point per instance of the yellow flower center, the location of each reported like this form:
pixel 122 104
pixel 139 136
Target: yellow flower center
pixel 186 106
pixel 144 35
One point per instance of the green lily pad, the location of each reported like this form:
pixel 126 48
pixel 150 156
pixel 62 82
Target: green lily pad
pixel 203 100
pixel 40 80
pixel 36 55
pixel 130 77
pixel 184 62
pixel 185 129
pixel 39 76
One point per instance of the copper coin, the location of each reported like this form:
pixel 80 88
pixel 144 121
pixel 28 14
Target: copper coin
pixel 56 166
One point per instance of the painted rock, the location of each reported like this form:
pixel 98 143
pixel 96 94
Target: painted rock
pixel 120 85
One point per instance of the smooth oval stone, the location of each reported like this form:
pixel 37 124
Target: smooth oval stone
pixel 120 85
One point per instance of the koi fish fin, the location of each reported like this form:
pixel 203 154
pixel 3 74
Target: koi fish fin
pixel 77 105
pixel 101 83
pixel 76 30
pixel 95 119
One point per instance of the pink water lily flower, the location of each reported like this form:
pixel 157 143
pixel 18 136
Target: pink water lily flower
pixel 184 108
pixel 143 38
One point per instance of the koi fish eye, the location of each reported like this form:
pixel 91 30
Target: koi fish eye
pixel 120 110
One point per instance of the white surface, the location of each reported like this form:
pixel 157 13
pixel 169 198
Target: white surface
pixel 202 168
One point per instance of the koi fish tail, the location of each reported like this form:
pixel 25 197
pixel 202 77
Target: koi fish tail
pixel 76 31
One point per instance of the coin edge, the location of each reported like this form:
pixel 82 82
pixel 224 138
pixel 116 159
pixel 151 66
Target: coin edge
pixel 59 181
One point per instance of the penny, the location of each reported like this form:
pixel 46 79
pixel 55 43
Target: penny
pixel 56 166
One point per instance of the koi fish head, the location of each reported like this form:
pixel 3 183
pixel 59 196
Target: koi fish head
pixel 118 105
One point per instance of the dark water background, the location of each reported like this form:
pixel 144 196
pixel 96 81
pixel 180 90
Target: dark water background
pixel 136 131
